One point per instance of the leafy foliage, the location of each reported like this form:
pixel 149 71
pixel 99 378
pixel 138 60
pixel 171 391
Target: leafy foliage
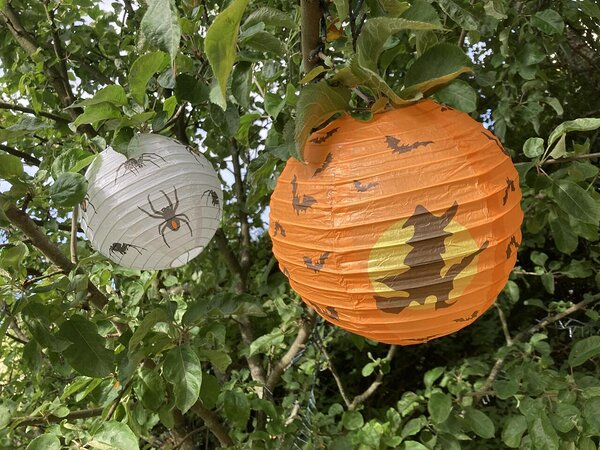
pixel 93 355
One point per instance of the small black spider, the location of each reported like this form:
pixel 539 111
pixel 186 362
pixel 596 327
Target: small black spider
pixel 133 165
pixel 212 197
pixel 123 247
pixel 168 214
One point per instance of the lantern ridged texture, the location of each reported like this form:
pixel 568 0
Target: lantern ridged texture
pixel 156 209
pixel 408 227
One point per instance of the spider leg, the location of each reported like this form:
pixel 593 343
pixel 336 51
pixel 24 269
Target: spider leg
pixel 176 199
pixel 168 199
pixel 154 155
pixel 136 248
pixel 151 215
pixel 185 219
pixel 161 230
pixel 152 206
pixel 118 170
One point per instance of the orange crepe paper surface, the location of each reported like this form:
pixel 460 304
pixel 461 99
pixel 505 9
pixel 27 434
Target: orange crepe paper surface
pixel 407 228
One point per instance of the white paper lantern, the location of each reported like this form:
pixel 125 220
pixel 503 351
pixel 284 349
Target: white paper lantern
pixel 155 210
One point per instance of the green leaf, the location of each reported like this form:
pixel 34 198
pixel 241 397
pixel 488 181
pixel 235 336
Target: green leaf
pixel 36 317
pixel 114 94
pixel 86 354
pixel 505 389
pixel 97 112
pixel 413 426
pixel 462 17
pixel 584 124
pixel 576 202
pixel 439 406
pixel 160 26
pixel 352 420
pixel 565 239
pixel 591 414
pixel 150 389
pixel 584 350
pixel 317 103
pixel 513 430
pixel 548 21
pixel 219 359
pixel 69 189
pixel 479 423
pixel 422 11
pixel 542 433
pixel 152 318
pixel 533 147
pixel 181 368
pixel 10 167
pixel 436 67
pixel 376 31
pixel 269 16
pixel 220 43
pixel 413 445
pixel 236 407
pixel 5 416
pixel 432 375
pixel 142 70
pixel 45 442
pixel 314 73
pixel 246 122
pixel 264 41
pixel 274 103
pixel 188 88
pixel 460 95
pixel 265 342
pixel 114 435
pixel 586 443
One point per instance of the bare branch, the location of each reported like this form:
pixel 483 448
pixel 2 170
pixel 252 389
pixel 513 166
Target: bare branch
pixel 241 204
pixel 504 324
pixel 304 331
pixel 43 420
pixel 311 18
pixel 336 377
pixel 213 424
pixel 230 258
pixel 55 117
pixel 361 398
pixel 571 158
pixel 74 228
pixel 28 158
pixel 30 281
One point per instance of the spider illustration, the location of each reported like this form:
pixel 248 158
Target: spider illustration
pixel 85 203
pixel 169 216
pixel 123 247
pixel 195 153
pixel 211 196
pixel 133 165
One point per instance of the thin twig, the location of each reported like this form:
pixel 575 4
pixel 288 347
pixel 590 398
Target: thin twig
pixel 336 377
pixel 504 324
pixel 12 107
pixel 30 281
pixel 213 424
pixel 361 398
pixel 117 402
pixel 534 329
pixel 187 436
pixel 571 158
pixel 74 228
pixel 28 158
pixel 43 420
pixel 16 338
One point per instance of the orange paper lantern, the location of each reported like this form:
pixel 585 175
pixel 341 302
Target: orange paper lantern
pixel 407 230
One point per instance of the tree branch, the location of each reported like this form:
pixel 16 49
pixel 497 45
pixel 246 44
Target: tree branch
pixel 55 117
pixel 310 11
pixel 23 222
pixel 28 158
pixel 361 398
pixel 74 228
pixel 336 377
pixel 504 324
pixel 43 420
pixel 571 158
pixel 304 332
pixel 486 387
pixel 242 215
pixel 213 424
pixel 230 258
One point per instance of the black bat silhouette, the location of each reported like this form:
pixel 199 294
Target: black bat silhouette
pixel 397 147
pixel 510 186
pixel 279 229
pixel 328 311
pixel 318 264
pixel 513 243
pixel 496 141
pixel 321 139
pixel 307 200
pixel 466 319
pixel 426 338
pixel 364 187
pixel 325 164
pixel 446 108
